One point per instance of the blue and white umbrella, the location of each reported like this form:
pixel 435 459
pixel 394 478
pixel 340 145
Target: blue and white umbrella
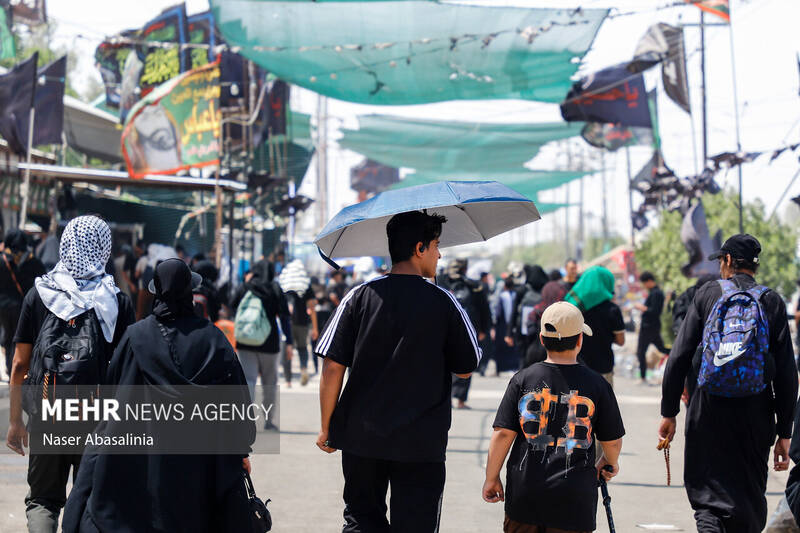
pixel 475 210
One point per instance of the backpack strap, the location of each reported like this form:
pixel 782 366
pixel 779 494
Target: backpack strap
pixel 13 277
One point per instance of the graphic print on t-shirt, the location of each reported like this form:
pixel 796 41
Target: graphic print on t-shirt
pixel 539 411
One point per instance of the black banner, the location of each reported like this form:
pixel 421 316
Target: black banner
pixel 201 31
pixel 664 44
pixel 278 103
pixel 163 63
pixel 49 103
pixel 110 58
pixel 371 176
pixel 699 243
pixel 16 99
pixel 612 137
pixel 612 95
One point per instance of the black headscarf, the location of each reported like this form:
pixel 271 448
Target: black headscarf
pixel 261 282
pixel 15 241
pixel 173 290
pixel 536 277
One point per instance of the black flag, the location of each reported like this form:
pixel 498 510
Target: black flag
pixel 278 104
pixel 16 99
pixel 49 104
pixel 699 243
pixel 664 44
pixel 612 95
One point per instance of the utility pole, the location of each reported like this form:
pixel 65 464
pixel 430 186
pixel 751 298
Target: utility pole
pixel 322 162
pixel 703 84
pixel 630 193
pixel 605 203
pixel 566 209
pixel 579 246
pixel 736 117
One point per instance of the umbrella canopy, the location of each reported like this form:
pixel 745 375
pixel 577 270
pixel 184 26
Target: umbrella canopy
pixel 475 211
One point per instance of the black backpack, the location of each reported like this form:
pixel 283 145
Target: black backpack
pixel 681 308
pixel 65 353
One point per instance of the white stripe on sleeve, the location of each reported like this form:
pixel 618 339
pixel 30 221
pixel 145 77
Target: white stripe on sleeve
pixel 473 337
pixel 327 337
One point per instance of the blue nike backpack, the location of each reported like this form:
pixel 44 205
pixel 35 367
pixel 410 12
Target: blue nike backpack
pixel 735 343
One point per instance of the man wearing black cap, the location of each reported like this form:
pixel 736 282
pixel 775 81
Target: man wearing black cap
pixel 728 436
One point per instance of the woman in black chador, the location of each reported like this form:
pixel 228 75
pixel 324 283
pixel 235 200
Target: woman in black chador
pixel 166 493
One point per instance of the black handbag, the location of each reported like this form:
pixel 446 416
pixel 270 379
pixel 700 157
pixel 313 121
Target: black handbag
pixel 259 514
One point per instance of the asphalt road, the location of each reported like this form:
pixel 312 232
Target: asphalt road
pixel 305 484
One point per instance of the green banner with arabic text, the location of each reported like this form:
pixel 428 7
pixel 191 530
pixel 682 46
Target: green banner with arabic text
pixel 176 126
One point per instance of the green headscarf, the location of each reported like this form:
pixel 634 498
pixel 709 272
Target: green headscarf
pixel 594 287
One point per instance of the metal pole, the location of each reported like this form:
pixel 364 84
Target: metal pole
pixel 322 161
pixel 292 194
pixel 630 193
pixel 231 229
pixel 703 85
pixel 605 206
pixel 566 209
pixel 26 184
pixel 785 192
pixel 218 220
pixel 736 118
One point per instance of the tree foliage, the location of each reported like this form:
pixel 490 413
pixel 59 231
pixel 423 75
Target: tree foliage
pixel 663 253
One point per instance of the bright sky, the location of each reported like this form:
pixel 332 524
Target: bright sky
pixel 766 44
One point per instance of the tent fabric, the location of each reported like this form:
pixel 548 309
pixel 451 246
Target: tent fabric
pixel 451 147
pixel 412 52
pixel 527 183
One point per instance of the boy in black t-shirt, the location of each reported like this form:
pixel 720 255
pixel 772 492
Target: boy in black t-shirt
pixel 552 412
pixel 401 337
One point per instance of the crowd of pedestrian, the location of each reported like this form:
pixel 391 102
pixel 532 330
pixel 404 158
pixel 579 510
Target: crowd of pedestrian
pixel 404 341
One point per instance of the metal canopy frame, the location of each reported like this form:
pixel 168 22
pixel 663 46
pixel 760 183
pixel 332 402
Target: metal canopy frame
pixel 118 177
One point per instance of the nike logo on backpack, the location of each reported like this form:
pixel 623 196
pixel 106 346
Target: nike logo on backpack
pixel 727 351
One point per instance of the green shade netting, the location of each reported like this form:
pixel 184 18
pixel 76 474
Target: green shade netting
pixel 526 182
pixel 548 207
pixel 412 52
pixel 445 147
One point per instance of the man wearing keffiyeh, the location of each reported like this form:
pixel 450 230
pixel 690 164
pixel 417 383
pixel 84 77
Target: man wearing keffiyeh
pixel 78 283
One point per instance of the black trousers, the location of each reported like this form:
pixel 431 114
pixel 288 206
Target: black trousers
pixel 416 501
pixel 9 316
pixel 648 335
pixel 726 461
pixel 461 388
pixel 47 479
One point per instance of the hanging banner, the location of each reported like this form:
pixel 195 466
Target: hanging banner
pixel 612 95
pixel 278 103
pixel 664 44
pixel 176 126
pixel 162 63
pixel 110 57
pixel 654 169
pixel 29 12
pixel 698 243
pixel 48 122
pixel 16 99
pixel 612 137
pixel 201 31
pixel 371 177
pixel 720 8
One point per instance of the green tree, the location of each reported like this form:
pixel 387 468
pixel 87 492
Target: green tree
pixel 39 39
pixel 663 253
